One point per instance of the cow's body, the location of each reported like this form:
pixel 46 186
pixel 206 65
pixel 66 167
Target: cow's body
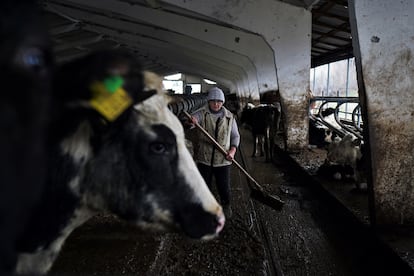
pixel 232 103
pixel 345 156
pixel 136 167
pixel 263 121
pixel 26 68
pixel 344 152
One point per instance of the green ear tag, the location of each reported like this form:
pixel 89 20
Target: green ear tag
pixel 113 83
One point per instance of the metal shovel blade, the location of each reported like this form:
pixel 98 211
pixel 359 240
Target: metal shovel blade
pixel 267 199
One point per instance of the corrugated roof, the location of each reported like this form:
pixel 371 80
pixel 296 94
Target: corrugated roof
pixel 331 32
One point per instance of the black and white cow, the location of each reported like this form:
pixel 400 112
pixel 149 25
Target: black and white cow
pixel 26 67
pixel 263 121
pixel 135 166
pixel 319 135
pixel 232 103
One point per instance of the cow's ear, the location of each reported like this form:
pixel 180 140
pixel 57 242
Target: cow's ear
pixel 152 81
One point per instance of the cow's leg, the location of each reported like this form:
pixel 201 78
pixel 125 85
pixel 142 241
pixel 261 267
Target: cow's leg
pixel 261 139
pixel 271 147
pixel 360 182
pixel 255 141
pixel 278 126
pixel 267 145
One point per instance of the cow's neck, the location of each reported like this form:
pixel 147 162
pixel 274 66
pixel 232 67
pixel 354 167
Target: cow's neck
pixel 60 209
pixel 41 260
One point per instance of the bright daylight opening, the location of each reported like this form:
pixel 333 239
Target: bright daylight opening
pixel 209 81
pixel 173 77
pixel 173 82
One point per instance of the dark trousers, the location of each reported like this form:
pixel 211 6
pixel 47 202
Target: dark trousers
pixel 222 177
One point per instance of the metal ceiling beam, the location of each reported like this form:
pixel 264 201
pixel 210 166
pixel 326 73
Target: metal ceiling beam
pixel 330 43
pixel 330 33
pixel 309 4
pixel 343 3
pixel 78 43
pixel 319 14
pixel 323 8
pixel 64 29
pixel 315 49
pixel 323 34
pixel 340 53
pixel 346 29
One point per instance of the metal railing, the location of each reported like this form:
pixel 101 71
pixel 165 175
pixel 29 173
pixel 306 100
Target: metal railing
pixel 342 125
pixel 189 103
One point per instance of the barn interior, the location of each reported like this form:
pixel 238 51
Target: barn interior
pixel 253 49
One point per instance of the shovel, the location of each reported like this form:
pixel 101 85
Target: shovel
pixel 256 190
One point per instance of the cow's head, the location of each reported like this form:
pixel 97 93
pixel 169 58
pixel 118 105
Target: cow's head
pixel 144 173
pixel 136 166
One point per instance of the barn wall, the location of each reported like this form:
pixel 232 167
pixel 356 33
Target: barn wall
pixel 383 38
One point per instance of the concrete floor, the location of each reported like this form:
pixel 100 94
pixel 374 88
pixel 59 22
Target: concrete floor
pixel 312 235
pixel 397 240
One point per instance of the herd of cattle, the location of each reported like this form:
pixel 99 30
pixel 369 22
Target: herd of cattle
pixel 82 138
pixel 345 159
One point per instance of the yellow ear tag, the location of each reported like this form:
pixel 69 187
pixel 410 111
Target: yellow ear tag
pixel 110 104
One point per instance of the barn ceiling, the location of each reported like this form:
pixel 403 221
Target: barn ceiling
pixel 331 32
pixel 78 27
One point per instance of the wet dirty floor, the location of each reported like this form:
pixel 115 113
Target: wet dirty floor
pixel 306 237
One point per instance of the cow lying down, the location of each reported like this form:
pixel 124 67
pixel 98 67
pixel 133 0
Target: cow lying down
pixel 345 161
pixel 133 164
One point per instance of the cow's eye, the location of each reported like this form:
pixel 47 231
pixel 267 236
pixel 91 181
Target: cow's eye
pixel 31 58
pixel 158 148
